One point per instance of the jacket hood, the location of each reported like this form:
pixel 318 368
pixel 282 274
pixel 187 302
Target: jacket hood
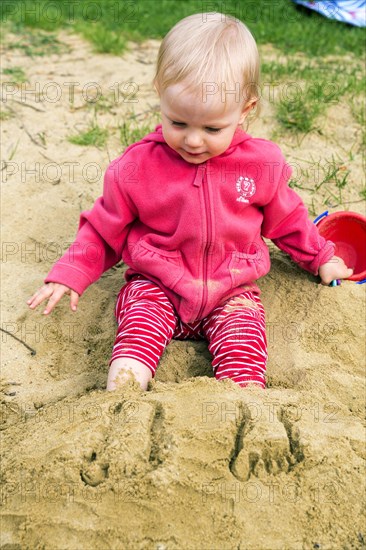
pixel 239 137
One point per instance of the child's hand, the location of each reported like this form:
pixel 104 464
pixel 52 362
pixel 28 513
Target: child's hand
pixel 53 291
pixel 334 269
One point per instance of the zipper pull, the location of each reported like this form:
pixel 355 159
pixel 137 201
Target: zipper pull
pixel 200 174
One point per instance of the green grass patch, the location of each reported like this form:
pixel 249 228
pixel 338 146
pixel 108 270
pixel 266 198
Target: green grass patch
pixel 34 42
pixel 103 40
pixel 297 115
pixel 5 114
pixel 94 135
pixel 14 74
pixel 280 22
pixel 104 104
pixel 301 91
pixel 329 177
pixel 130 132
pixel 357 106
pixel 135 127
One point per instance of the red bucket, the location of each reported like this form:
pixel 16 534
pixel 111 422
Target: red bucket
pixel 348 232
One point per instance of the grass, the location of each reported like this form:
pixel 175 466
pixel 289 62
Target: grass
pixel 33 43
pixel 357 105
pixel 132 131
pixel 14 74
pixel 94 135
pixel 104 104
pixel 5 114
pixel 108 23
pixel 337 174
pixel 14 150
pixel 304 85
pixel 297 114
pixel 129 131
pixel 104 40
pixel 304 90
pixel 330 177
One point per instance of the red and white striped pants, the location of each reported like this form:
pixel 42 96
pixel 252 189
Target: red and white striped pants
pixel 147 322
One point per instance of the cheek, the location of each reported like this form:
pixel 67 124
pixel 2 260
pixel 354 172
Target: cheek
pixel 173 135
pixel 169 136
pixel 221 142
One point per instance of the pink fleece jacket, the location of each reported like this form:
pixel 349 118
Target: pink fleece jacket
pixel 195 230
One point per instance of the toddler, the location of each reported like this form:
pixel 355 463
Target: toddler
pixel 186 209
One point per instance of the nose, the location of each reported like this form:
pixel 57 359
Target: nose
pixel 193 139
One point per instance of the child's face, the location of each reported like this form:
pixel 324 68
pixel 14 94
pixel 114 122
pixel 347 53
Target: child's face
pixel 199 130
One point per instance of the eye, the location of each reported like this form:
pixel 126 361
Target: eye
pixel 213 130
pixel 179 124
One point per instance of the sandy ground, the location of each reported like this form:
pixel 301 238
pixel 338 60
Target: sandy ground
pixel 192 463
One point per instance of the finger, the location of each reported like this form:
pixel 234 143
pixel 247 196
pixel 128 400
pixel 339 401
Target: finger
pixel 39 296
pixel 74 300
pixel 30 300
pixel 54 299
pixel 349 273
pixel 346 272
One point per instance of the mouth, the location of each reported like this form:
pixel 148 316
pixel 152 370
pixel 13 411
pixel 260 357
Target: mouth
pixel 194 154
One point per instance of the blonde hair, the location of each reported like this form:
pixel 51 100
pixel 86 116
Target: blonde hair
pixel 210 49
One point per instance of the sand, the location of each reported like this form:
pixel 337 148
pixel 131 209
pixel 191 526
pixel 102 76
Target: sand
pixel 193 463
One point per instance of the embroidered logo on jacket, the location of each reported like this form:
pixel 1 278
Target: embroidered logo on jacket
pixel 246 187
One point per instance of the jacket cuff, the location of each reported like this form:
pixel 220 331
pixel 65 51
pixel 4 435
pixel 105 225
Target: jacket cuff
pixel 69 276
pixel 323 256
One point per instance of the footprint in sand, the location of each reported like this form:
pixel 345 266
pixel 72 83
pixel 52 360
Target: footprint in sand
pixel 268 445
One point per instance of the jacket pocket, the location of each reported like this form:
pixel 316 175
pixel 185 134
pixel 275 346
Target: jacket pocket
pixel 245 267
pixel 165 265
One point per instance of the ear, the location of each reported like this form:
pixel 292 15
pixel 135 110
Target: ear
pixel 247 108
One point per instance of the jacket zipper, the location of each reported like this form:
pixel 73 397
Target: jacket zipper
pixel 208 240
